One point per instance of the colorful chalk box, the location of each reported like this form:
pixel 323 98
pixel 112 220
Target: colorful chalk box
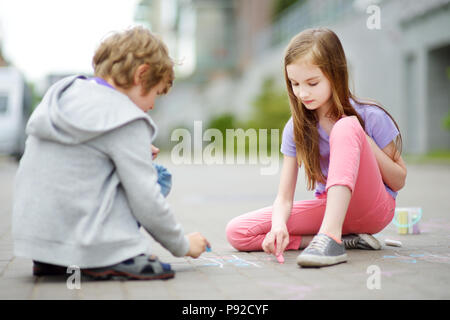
pixel 407 220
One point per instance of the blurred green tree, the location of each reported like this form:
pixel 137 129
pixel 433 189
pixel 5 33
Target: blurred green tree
pixel 446 119
pixel 270 108
pixel 223 122
pixel 280 5
pixel 35 96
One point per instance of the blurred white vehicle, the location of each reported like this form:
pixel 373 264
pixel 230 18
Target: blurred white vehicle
pixel 15 109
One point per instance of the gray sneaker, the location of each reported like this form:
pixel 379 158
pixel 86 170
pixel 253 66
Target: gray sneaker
pixel 322 251
pixel 361 241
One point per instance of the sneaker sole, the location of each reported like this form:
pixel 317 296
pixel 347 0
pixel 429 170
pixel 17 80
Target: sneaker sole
pixel 40 271
pixel 370 240
pixel 308 260
pixel 112 274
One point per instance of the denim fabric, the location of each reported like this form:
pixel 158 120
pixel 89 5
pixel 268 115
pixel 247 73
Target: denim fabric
pixel 164 179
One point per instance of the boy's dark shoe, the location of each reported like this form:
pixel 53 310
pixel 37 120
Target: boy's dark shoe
pixel 142 267
pixel 46 269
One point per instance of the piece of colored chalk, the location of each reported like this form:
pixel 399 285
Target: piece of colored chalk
pixel 280 258
pixel 402 218
pixel 208 249
pixel 392 243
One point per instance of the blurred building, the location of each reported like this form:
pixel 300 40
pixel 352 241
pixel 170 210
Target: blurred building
pixel 252 18
pixel 222 32
pixel 215 32
pixel 148 13
pixel 221 35
pixel 424 65
pixel 166 18
pixel 403 64
pixel 225 34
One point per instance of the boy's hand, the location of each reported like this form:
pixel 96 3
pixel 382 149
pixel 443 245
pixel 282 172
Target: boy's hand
pixel 155 152
pixel 197 244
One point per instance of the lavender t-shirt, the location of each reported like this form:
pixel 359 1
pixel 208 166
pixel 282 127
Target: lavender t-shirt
pixel 379 126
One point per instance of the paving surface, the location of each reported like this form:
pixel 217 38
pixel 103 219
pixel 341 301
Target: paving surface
pixel 205 198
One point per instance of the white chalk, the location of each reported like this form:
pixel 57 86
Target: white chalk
pixel 392 243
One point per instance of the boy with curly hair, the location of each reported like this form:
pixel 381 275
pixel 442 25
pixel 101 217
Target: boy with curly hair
pixel 86 180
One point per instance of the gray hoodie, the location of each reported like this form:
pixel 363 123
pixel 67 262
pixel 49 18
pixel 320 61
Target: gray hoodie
pixel 86 178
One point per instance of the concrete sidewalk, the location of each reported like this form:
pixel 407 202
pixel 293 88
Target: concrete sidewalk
pixel 205 198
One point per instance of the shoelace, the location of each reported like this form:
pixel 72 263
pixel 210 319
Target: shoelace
pixel 319 243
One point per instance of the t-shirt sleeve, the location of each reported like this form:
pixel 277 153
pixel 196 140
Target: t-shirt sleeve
pixel 380 127
pixel 287 142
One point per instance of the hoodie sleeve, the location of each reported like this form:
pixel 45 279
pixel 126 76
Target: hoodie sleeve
pixel 129 147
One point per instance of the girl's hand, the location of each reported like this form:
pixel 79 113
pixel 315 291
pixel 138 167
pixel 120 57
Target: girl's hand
pixel 276 240
pixel 197 244
pixel 155 152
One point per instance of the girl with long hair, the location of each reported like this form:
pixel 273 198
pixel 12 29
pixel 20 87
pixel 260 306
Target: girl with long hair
pixel 351 153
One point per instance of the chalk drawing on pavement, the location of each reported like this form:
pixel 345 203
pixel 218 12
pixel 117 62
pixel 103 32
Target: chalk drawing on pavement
pixel 414 257
pixel 221 261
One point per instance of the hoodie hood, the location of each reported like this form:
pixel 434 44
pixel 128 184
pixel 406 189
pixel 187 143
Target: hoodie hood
pixel 75 110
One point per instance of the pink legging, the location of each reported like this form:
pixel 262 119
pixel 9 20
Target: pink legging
pixel 352 164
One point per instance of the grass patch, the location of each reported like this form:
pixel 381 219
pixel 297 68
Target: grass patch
pixel 432 157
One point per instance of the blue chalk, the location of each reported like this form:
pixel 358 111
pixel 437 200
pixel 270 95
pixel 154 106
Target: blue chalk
pixel 208 249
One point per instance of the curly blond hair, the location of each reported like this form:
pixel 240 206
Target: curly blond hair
pixel 120 54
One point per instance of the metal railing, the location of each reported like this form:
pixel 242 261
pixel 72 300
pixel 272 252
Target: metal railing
pixel 300 16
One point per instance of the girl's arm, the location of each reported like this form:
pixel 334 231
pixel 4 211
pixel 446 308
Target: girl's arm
pixel 282 208
pixel 286 190
pixel 392 171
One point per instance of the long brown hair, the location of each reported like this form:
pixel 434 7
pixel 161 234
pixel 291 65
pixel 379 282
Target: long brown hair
pixel 322 48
